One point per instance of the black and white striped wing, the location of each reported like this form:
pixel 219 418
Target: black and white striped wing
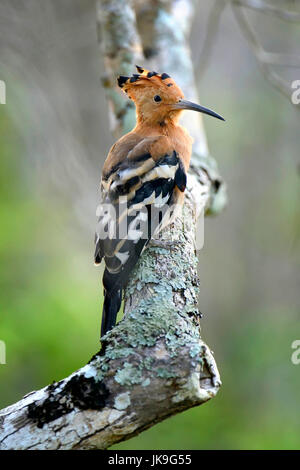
pixel 136 200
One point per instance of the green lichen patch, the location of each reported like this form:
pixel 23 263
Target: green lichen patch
pixel 129 375
pixel 165 373
pixel 146 382
pixel 195 350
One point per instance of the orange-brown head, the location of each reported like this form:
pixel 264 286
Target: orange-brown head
pixel 157 97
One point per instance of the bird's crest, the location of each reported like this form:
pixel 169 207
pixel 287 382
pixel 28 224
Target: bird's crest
pixel 145 75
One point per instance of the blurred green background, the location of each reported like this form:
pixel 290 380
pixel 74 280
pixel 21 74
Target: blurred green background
pixel 54 137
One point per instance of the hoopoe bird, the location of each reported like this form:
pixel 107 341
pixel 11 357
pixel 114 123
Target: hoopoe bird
pixel 143 176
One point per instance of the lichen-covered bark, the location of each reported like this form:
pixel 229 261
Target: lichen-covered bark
pixel 135 382
pixel 153 363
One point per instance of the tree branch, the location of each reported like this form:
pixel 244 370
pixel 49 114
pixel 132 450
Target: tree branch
pixel 121 49
pixel 216 10
pixel 267 59
pixel 263 7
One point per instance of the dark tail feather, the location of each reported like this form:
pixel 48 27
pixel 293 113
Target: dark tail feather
pixel 111 306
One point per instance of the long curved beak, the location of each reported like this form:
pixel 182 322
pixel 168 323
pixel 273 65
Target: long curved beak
pixel 184 104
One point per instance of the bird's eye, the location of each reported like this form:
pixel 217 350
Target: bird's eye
pixel 157 98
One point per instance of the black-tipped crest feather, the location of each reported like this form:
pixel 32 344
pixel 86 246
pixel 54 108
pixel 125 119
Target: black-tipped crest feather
pixel 122 80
